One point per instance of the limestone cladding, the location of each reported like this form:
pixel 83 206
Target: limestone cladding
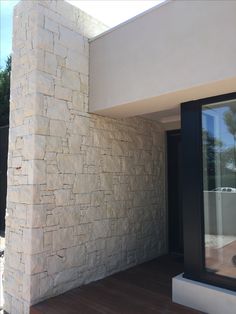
pixel 85 192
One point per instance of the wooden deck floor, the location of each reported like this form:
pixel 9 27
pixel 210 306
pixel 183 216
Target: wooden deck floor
pixel 144 289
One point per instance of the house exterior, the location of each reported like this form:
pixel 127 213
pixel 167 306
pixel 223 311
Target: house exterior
pixel 87 187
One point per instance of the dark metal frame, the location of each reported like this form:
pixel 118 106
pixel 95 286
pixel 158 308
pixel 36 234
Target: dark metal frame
pixel 192 199
pixel 172 208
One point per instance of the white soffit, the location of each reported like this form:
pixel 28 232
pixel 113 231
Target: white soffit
pixel 179 51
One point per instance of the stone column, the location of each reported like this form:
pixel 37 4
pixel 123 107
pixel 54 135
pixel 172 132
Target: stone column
pixel 45 85
pixel 85 192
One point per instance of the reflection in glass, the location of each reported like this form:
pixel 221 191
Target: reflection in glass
pixel 219 184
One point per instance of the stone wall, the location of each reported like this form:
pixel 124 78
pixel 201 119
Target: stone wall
pixel 85 192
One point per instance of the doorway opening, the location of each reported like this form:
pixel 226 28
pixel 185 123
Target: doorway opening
pixel 209 186
pixel 174 169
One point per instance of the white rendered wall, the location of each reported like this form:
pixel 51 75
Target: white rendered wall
pixel 179 51
pixel 85 192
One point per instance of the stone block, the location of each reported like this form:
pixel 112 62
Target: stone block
pixel 70 39
pixel 46 286
pixel 28 147
pixel 57 109
pixel 101 229
pixel 45 83
pixel 50 63
pixel 35 263
pixel 80 125
pixel 38 125
pixel 52 220
pixel 111 164
pixel 77 62
pixel 63 93
pixel 84 84
pixel 62 197
pixel 16 162
pixel 78 101
pixel 54 181
pixel 70 163
pixel 63 238
pixel 75 256
pixel 68 218
pixel 25 194
pixel 33 240
pixel 55 264
pixel 53 144
pixel 70 79
pixel 36 216
pixel 43 40
pixel 47 239
pixel 121 148
pixel 57 128
pixel 65 276
pixel 36 172
pixel 68 179
pixel 60 50
pixel 106 180
pixel 51 25
pixel 83 198
pixel 75 142
pixel 85 183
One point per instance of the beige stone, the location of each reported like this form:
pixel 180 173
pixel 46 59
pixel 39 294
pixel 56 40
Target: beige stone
pixel 75 142
pixel 60 50
pixel 85 183
pixel 51 25
pixel 54 181
pixel 57 109
pixel 63 93
pixel 77 62
pixel 50 65
pixel 37 172
pixel 54 144
pixel 70 79
pixel 63 238
pixel 38 125
pixel 62 197
pixel 45 83
pixel 43 40
pixel 69 38
pixel 70 163
pixel 111 164
pixel 80 125
pixel 57 128
pixel 85 192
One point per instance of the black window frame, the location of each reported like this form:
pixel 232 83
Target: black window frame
pixel 192 197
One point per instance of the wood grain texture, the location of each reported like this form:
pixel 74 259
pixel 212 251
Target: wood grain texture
pixel 143 289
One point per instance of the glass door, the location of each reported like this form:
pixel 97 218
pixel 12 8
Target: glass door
pixel 219 186
pixel 209 189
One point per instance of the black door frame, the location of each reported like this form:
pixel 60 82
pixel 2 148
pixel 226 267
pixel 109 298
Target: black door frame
pixel 193 214
pixel 170 135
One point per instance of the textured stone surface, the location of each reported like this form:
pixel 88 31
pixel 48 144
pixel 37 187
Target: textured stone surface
pixel 85 192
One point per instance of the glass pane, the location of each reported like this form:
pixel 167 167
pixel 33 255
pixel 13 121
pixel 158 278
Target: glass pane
pixel 219 184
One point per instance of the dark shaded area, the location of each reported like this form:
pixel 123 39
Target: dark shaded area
pixel 3 174
pixel 4 122
pixel 175 215
pixel 5 93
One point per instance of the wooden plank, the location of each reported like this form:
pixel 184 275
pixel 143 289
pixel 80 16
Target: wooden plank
pixel 142 289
